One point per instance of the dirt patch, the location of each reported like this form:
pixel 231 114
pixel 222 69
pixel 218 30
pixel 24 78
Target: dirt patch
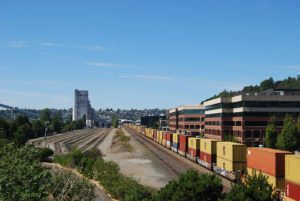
pixel 139 162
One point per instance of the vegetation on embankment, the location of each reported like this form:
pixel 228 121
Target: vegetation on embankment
pixel 23 178
pixel 92 165
pixel 122 139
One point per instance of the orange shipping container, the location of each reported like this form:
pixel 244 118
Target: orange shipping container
pixel 269 161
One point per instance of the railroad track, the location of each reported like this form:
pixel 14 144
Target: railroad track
pixel 177 159
pixel 95 142
pixel 175 166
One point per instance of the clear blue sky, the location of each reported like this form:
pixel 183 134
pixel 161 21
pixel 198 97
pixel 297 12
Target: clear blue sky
pixel 142 54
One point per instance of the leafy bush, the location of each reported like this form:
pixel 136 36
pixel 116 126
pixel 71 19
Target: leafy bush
pixel 192 186
pixel 255 187
pixel 21 175
pixel 44 154
pixel 67 186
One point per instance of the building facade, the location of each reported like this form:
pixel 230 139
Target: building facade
pixel 83 107
pixel 187 119
pixel 247 115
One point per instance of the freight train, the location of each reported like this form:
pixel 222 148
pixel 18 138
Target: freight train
pixel 234 160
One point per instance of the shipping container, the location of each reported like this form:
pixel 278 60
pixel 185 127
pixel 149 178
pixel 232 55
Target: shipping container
pixel 160 140
pixel 269 161
pixel 232 151
pixel 292 168
pixel 194 148
pixel 175 143
pixel 208 146
pixel 183 144
pixel 169 140
pixel 164 142
pixel 288 199
pixel 231 166
pixel 292 190
pixel 276 182
pixel 209 158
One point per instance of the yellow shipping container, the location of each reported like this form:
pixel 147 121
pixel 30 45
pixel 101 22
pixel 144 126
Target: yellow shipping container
pixel 277 182
pixel 292 165
pixel 231 166
pixel 232 151
pixel 208 146
pixel 160 137
pixel 194 142
pixel 176 137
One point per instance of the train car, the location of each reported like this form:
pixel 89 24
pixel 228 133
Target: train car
pixel 169 140
pixel 193 148
pixel 154 134
pixel 231 159
pixel 208 153
pixel 164 140
pixel 270 163
pixel 175 143
pixel 292 177
pixel 183 144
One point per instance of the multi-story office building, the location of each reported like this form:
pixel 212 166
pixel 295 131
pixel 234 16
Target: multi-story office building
pixel 188 119
pixel 247 115
pixel 82 107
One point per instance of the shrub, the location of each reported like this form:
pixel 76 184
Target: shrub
pixel 44 154
pixel 67 186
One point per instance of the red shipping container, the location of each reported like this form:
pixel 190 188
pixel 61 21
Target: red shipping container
pixel 169 140
pixel 292 190
pixel 183 142
pixel 193 152
pixel 154 134
pixel 209 158
pixel 270 161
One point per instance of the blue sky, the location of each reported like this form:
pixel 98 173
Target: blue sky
pixel 142 54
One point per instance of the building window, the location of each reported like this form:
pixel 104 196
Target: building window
pixel 256 134
pixel 197 126
pixel 192 126
pixel 238 123
pixel 186 126
pixel 247 134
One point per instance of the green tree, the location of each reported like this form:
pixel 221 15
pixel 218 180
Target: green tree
pixel 271 134
pixel 23 133
pixel 21 175
pixel 267 84
pixel 254 187
pixel 298 133
pixel 45 115
pixel 287 139
pixel 21 120
pixel 115 122
pixel 191 186
pixel 56 124
pixel 38 128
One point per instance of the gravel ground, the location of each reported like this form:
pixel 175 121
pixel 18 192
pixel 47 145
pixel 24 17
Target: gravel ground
pixel 139 163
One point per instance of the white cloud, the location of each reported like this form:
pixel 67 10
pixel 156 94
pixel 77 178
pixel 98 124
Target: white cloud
pixel 51 44
pixel 100 64
pixel 18 44
pixel 290 67
pixel 153 77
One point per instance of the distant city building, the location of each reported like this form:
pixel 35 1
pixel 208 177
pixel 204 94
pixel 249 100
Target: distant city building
pixel 247 115
pixel 187 119
pixel 83 107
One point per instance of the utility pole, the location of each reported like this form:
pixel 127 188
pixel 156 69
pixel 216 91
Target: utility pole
pixel 46 122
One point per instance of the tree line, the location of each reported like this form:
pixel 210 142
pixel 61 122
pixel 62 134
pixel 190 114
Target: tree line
pixel 289 137
pixel 22 129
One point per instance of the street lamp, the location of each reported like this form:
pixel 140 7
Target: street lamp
pixel 46 122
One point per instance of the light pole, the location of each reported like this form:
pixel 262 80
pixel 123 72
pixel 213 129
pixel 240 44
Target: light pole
pixel 46 122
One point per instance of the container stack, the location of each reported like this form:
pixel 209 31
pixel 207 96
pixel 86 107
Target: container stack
pixel 194 148
pixel 208 150
pixel 292 177
pixel 169 140
pixel 183 144
pixel 164 141
pixel 175 143
pixel 268 162
pixel 160 137
pixel 231 156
